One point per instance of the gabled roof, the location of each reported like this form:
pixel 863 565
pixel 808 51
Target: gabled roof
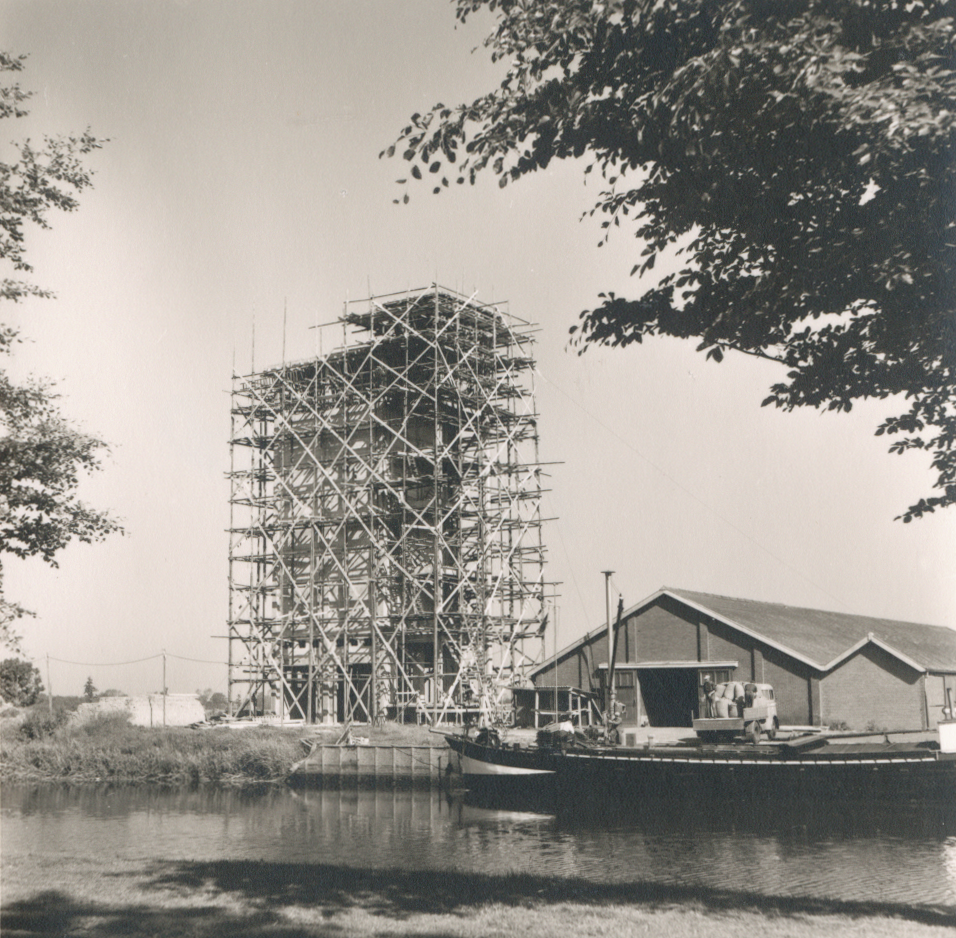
pixel 819 638
pixel 825 638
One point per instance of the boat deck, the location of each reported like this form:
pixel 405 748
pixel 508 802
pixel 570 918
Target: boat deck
pixel 659 737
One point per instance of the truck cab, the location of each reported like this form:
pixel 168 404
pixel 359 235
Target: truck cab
pixel 737 708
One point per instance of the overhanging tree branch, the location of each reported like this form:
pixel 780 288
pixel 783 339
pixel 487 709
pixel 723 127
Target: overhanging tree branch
pixel 807 150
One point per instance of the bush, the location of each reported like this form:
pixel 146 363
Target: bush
pixel 20 682
pixel 105 727
pixel 41 724
pixel 109 747
pixel 213 701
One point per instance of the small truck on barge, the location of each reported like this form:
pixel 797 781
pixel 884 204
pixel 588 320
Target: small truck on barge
pixel 736 709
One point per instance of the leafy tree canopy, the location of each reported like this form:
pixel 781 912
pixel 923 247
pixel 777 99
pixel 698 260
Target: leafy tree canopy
pixel 41 459
pixel 213 700
pixel 41 455
pixel 798 155
pixel 20 682
pixel 32 182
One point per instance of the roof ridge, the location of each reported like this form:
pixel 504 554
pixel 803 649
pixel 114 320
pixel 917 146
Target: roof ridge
pixel 832 612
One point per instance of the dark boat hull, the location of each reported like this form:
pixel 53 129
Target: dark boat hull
pixel 874 774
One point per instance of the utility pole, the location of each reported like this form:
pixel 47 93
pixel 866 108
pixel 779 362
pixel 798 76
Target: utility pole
pixel 164 687
pixel 611 696
pixel 49 686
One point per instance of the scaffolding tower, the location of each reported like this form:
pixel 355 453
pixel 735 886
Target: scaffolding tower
pixel 386 556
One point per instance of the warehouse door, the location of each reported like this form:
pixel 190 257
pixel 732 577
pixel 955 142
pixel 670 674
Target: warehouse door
pixel 669 695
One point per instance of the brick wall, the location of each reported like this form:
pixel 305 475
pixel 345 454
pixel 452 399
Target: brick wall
pixel 666 632
pixel 873 688
pixel 729 645
pixel 791 686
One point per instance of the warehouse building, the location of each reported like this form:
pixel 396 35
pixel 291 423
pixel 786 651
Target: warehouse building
pixel 827 668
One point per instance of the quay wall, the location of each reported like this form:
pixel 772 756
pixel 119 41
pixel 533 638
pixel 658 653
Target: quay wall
pixel 406 765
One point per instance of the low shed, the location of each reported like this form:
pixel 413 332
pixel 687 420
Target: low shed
pixel 827 668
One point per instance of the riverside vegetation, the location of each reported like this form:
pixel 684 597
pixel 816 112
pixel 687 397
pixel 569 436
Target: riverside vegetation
pixel 42 746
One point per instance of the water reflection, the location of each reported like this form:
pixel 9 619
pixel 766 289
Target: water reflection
pixel 678 816
pixel 860 855
pixel 853 851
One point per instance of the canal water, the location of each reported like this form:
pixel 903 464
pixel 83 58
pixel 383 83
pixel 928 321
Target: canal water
pixel 904 857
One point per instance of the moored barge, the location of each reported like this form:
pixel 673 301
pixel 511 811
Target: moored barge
pixel 810 767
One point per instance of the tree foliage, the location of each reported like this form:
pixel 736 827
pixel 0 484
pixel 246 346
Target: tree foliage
pixel 32 182
pixel 213 700
pixel 797 155
pixel 42 456
pixel 41 460
pixel 20 682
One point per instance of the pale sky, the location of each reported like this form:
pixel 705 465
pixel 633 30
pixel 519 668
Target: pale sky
pixel 241 177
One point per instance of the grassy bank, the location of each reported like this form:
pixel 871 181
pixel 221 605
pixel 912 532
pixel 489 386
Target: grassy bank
pixel 108 748
pixel 103 896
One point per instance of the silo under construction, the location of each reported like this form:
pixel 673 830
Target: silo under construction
pixel 386 557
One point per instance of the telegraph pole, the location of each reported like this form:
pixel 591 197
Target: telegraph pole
pixel 164 687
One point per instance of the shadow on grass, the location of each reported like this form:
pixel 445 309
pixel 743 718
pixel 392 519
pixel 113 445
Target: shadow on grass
pixel 251 898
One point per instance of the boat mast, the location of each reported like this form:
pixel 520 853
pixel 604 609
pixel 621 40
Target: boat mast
pixel 610 701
